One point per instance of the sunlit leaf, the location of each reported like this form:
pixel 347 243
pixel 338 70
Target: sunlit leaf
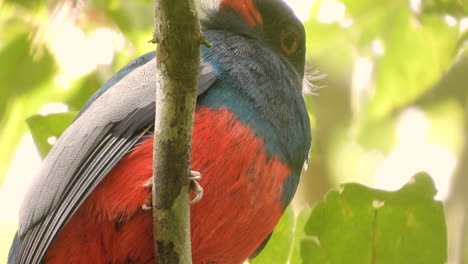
pixel 455 8
pixel 378 134
pixel 26 79
pixel 362 225
pixel 133 18
pixel 336 54
pixel 23 72
pixel 81 90
pixel 30 4
pixel 416 55
pixel 410 44
pixel 446 126
pixel 46 129
pixel 299 235
pixel 279 246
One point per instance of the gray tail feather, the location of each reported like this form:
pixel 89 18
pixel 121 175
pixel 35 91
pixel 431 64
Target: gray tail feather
pixel 15 246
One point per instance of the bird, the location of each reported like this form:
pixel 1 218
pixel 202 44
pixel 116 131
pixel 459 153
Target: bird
pixel 251 139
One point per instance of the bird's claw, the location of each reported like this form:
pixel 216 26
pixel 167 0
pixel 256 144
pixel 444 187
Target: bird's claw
pixel 146 207
pixel 149 183
pixel 194 186
pixel 194 176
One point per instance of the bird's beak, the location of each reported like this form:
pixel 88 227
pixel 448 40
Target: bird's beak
pixel 247 10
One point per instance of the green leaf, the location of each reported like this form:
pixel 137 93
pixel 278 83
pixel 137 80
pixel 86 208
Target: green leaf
pixel 47 128
pixel 299 235
pixel 133 18
pixel 378 133
pixel 403 72
pixel 26 85
pixel 22 72
pixel 82 89
pixel 30 4
pixel 362 225
pixel 417 50
pixel 455 8
pixel 279 246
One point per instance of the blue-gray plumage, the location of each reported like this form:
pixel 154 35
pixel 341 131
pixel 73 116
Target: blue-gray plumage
pixel 255 73
pixel 102 134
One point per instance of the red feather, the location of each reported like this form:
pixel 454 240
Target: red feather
pixel 240 207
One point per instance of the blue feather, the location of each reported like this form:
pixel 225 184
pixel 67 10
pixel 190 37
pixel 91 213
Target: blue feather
pixel 264 91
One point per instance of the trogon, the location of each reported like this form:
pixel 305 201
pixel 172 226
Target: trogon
pixel 251 138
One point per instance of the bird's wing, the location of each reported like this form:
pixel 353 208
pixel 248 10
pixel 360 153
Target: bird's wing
pixel 121 113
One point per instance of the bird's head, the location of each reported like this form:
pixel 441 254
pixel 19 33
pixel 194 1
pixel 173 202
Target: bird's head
pixel 270 21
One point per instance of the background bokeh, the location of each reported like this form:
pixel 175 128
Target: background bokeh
pixel 390 100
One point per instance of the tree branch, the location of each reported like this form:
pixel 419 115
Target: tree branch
pixel 177 32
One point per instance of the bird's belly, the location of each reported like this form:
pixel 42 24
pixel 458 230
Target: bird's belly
pixel 240 207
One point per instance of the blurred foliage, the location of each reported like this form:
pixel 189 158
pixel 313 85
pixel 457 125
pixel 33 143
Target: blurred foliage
pixel 280 245
pixel 416 55
pixel 46 129
pixel 26 85
pixel 358 224
pixel 457 8
pixel 29 68
pixel 361 225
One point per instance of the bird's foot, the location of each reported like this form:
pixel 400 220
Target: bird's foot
pixel 195 186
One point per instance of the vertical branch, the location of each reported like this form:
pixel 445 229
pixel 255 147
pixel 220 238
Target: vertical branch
pixel 178 36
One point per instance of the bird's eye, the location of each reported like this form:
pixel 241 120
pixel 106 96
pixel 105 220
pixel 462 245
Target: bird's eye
pixel 289 41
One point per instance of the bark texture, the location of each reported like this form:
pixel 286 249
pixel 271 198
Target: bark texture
pixel 177 32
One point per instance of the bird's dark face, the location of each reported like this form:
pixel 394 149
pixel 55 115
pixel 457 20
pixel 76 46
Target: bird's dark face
pixel 283 31
pixel 271 21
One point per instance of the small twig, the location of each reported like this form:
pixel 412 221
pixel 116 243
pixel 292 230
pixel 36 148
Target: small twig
pixel 177 33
